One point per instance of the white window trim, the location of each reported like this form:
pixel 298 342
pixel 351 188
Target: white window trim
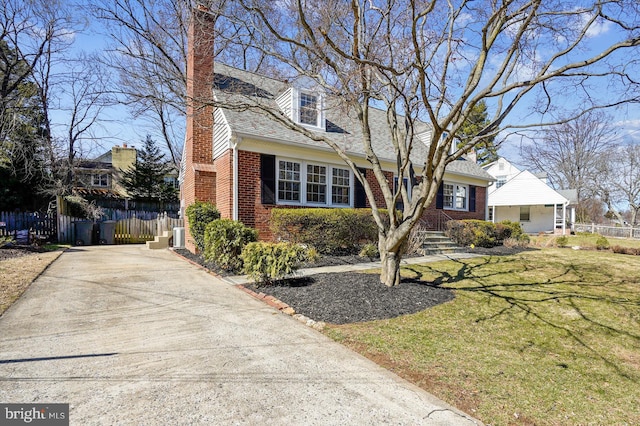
pixel 456 185
pixel 303 184
pixel 99 185
pixel 295 98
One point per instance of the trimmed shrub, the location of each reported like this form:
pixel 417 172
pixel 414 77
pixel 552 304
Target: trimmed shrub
pixel 602 243
pixel 329 231
pixel 562 241
pixel 266 262
pixel 475 232
pixel 508 229
pixel 200 214
pixel 224 240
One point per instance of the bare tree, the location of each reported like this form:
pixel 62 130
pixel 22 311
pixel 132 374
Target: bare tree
pixel 148 54
pixel 570 153
pixel 29 31
pixel 83 87
pixel 433 62
pixel 618 183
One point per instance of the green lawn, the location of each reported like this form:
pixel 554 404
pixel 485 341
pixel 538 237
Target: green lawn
pixel 546 337
pixel 582 240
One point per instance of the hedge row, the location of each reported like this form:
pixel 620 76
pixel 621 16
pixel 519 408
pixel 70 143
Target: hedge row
pixel 482 233
pixel 329 231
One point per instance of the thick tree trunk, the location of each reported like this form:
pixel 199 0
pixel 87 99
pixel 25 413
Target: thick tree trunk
pixel 390 275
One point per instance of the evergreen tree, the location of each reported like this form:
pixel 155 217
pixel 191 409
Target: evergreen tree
pixel 145 181
pixel 486 151
pixel 23 154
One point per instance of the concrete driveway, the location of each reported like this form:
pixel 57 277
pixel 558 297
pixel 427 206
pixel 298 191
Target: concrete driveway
pixel 127 335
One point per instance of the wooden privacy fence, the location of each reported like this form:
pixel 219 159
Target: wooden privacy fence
pixel 25 227
pixel 128 227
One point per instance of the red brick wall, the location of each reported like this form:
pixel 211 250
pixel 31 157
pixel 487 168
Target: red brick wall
pixel 377 191
pixel 253 213
pixel 481 203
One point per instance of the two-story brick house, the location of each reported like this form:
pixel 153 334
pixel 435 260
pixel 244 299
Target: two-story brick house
pixel 248 164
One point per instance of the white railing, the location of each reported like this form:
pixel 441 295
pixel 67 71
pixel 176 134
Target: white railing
pixel 608 231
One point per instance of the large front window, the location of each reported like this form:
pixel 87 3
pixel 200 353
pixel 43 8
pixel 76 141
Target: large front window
pixel 455 196
pixel 303 183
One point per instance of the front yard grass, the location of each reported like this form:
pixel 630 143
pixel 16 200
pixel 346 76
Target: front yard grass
pixel 546 337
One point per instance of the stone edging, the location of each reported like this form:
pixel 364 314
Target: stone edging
pixel 283 307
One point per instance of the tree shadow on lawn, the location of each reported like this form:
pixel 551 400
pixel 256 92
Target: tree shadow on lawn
pixel 541 300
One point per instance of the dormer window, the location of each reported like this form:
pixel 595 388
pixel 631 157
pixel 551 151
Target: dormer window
pixel 309 109
pixel 303 106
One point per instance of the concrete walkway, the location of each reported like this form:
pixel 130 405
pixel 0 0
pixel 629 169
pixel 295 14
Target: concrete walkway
pixel 243 279
pixel 127 335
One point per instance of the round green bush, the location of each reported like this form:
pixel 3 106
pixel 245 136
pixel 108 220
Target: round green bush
pixel 266 262
pixel 602 243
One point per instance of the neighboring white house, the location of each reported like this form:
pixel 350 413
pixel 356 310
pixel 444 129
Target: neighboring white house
pixel 520 196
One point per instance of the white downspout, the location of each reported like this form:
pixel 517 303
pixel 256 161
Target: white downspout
pixel 234 212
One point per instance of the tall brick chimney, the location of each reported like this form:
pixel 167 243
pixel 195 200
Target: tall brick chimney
pixel 199 173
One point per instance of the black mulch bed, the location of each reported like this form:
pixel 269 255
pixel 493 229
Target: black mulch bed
pixel 343 298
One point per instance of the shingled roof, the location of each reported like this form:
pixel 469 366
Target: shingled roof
pixel 235 86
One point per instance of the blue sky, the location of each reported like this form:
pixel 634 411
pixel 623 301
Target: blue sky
pixel 120 127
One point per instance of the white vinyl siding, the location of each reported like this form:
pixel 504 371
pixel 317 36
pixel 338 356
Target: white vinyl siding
pixel 285 103
pixel 221 134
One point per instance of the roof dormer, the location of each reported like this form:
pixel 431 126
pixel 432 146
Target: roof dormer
pixel 303 106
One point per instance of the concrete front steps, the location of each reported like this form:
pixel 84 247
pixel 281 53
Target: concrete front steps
pixel 160 241
pixel 435 242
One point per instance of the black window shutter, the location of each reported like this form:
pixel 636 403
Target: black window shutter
pixel 268 179
pixel 472 198
pixel 360 197
pixel 440 197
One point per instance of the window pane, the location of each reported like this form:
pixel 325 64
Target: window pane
pixel 316 184
pixel 340 186
pixel 308 109
pixel 289 181
pixel 448 195
pixel 461 197
pixel 524 213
